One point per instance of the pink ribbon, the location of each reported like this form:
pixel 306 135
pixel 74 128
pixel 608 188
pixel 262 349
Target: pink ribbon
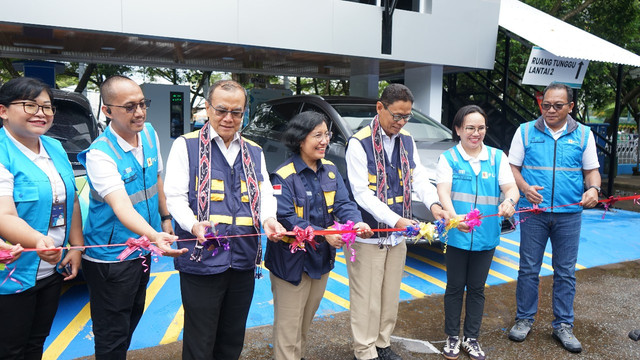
pixel 5 256
pixel 143 243
pixel 473 219
pixel 348 237
pixel 302 236
pixel 9 277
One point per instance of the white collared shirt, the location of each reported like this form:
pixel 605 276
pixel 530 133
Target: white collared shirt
pixel 103 171
pixel 176 183
pixel 43 161
pixel 589 156
pixel 444 173
pixel 356 159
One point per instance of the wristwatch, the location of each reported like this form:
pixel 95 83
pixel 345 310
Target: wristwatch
pixel 594 187
pixel 513 203
pixel 166 217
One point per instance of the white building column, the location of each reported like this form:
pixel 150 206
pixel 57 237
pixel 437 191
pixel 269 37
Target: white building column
pixel 425 83
pixel 365 74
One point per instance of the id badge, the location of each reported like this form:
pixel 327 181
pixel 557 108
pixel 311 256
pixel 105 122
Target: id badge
pixel 57 215
pixel 395 238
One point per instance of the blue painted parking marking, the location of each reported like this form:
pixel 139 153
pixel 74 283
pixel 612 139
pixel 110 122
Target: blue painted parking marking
pixel 603 241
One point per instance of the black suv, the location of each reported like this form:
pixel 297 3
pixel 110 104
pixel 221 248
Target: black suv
pixel 346 116
pixel 73 125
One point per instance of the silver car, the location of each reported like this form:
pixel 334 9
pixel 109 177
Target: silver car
pixel 346 116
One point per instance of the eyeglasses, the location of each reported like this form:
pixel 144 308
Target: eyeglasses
pixel 33 108
pixel 320 136
pixel 557 106
pixel 398 117
pixel 144 105
pixel 236 114
pixel 473 129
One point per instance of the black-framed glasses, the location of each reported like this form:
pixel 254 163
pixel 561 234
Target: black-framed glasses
pixel 557 106
pixel 398 117
pixel 144 105
pixel 32 108
pixel 222 113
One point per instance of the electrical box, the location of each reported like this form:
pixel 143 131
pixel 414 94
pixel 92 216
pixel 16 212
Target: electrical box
pixel 169 112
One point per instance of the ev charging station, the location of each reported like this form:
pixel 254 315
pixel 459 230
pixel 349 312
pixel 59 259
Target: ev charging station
pixel 169 112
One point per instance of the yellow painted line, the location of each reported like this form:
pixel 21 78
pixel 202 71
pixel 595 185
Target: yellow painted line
pixel 174 329
pixel 500 275
pixel 404 287
pixel 506 263
pixel 154 287
pixel 427 261
pixel 65 337
pixel 336 299
pixel 339 278
pixel 424 276
pixel 548 255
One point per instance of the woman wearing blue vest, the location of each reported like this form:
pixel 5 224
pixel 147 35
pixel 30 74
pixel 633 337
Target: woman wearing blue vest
pixel 470 176
pixel 310 192
pixel 37 188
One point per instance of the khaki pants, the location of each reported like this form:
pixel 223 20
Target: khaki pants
pixel 293 311
pixel 374 289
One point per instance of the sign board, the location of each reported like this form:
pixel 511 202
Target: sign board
pixel 544 68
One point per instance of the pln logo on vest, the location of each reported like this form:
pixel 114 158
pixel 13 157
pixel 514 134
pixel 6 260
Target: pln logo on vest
pixel 486 175
pixel 150 161
pixel 571 141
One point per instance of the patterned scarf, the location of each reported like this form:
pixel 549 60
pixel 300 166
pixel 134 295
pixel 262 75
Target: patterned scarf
pixel 204 190
pixel 381 173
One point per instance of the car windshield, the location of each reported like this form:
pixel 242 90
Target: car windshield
pixel 420 126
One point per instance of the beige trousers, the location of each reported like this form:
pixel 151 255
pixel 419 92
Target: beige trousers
pixel 293 311
pixel 374 290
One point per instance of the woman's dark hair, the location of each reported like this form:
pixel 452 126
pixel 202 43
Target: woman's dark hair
pixel 458 120
pixel 23 88
pixel 299 127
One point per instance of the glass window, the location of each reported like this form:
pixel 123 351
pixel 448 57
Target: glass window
pixel 272 120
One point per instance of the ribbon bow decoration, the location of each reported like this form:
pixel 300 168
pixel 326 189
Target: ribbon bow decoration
pixel 5 256
pixel 143 243
pixel 302 236
pixel 348 237
pixel 473 219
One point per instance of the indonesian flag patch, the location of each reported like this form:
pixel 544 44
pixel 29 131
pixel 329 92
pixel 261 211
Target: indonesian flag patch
pixel 277 189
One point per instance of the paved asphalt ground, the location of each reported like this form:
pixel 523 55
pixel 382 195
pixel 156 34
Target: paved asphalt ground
pixel 607 307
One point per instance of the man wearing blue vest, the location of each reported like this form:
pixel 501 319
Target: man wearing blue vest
pixel 127 201
pixel 383 169
pixel 215 177
pixel 553 160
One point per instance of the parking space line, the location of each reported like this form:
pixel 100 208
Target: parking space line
pixel 64 338
pixel 155 286
pixel 546 254
pixel 175 328
pixel 336 299
pixel 404 287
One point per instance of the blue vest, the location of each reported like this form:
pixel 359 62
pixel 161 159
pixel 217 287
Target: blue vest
pixel 470 191
pixel 33 197
pixel 102 225
pixel 229 208
pixel 278 257
pixel 392 168
pixel 555 165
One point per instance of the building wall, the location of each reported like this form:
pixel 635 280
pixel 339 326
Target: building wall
pixel 455 32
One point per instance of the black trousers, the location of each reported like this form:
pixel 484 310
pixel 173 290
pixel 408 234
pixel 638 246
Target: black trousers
pixel 27 317
pixel 215 313
pixel 116 292
pixel 470 269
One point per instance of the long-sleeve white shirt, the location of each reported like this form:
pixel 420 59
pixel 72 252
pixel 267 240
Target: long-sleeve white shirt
pixel 356 159
pixel 176 182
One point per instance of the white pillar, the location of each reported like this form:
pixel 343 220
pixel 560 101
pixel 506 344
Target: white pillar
pixel 426 85
pixel 364 78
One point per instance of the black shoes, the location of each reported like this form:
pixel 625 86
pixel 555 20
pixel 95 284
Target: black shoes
pixel 387 354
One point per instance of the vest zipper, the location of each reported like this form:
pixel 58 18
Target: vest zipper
pixel 553 177
pixel 475 204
